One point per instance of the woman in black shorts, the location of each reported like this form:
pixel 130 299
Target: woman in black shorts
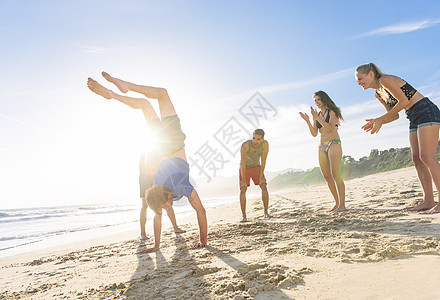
pixel 396 94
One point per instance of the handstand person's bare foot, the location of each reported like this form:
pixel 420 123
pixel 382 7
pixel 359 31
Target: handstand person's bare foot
pixel 120 84
pixel 425 205
pixel 435 209
pixel 340 209
pixel 95 87
pixel 178 230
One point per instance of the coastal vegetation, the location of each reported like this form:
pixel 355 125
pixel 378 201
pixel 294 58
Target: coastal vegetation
pixel 376 162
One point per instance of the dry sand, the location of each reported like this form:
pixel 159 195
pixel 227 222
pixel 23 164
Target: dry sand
pixel 375 250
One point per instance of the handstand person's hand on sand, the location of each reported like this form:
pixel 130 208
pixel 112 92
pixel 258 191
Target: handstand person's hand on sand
pixel 200 245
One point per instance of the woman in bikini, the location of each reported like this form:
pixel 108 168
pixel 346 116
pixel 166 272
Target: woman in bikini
pixel 396 94
pixel 326 122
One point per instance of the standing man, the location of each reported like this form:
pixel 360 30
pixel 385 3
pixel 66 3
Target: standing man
pixel 148 165
pixel 252 151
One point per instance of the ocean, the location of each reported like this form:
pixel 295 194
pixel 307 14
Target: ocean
pixel 27 229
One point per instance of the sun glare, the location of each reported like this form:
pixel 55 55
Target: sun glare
pixel 149 143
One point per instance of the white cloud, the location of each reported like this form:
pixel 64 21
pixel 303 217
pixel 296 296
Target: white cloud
pixel 400 28
pixel 305 83
pixel 92 49
pixel 226 104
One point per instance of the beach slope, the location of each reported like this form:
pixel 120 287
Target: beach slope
pixel 375 250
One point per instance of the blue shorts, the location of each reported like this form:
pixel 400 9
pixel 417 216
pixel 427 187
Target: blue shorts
pixel 423 113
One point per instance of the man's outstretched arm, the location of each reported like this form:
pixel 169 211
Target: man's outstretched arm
pixel 157 227
pixel 194 199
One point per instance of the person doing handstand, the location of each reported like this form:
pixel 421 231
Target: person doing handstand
pixel 171 181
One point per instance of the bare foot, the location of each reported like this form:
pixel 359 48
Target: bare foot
pixel 178 230
pixel 425 205
pixel 334 207
pixel 95 87
pixel 143 237
pixel 120 84
pixel 435 209
pixel 244 219
pixel 154 249
pixel 267 216
pixel 200 245
pixel 340 209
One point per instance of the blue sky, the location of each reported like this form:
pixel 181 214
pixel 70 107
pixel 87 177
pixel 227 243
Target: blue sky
pixel 61 144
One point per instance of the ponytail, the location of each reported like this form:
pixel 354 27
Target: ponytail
pixel 366 68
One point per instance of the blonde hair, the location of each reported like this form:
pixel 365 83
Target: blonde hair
pixel 366 68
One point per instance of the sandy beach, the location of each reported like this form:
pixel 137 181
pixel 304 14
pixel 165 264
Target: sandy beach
pixel 375 250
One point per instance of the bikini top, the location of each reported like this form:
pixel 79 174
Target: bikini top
pixel 407 89
pixel 326 119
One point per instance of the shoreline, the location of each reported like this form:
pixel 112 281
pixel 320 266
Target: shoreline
pixel 376 249
pixel 109 238
pixel 59 241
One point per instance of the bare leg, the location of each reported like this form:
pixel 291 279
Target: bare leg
pixel 422 172
pixel 172 216
pixel 428 140
pixel 243 204
pixel 120 84
pixel 335 158
pixel 165 105
pixel 265 198
pixel 136 103
pixel 143 219
pixel 324 164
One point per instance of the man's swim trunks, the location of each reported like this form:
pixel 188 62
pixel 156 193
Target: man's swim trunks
pixel 169 134
pixel 254 173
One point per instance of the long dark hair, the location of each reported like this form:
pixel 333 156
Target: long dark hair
pixel 329 103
